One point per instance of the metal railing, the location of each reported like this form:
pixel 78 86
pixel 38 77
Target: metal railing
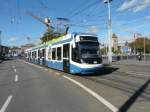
pixel 127 57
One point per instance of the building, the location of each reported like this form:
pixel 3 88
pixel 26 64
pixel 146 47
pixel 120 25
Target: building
pixel 115 42
pixel 15 51
pixel 4 50
pixel 26 46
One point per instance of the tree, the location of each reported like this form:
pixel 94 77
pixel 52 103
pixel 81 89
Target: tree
pixel 114 35
pixel 54 32
pixel 49 35
pixel 115 47
pixel 103 50
pixel 138 45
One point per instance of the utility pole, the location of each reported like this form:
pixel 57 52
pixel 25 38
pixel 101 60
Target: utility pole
pixel 144 48
pixel 0 43
pixel 108 2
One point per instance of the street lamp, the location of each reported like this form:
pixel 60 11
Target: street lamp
pixel 0 42
pixel 144 48
pixel 109 31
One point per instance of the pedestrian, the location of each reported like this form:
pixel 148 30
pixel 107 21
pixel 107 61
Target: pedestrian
pixel 140 56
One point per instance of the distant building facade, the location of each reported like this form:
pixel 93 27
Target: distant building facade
pixel 26 46
pixel 4 50
pixel 15 51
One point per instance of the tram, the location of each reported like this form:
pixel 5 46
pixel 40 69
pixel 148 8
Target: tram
pixel 75 53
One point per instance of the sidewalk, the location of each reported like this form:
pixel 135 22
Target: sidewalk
pixel 132 62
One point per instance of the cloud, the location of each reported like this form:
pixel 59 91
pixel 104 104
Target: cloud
pixel 147 17
pixel 127 5
pixel 134 5
pixel 141 6
pixel 12 39
pixel 37 41
pixel 93 29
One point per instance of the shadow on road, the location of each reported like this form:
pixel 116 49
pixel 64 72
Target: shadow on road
pixel 106 70
pixel 1 61
pixel 133 98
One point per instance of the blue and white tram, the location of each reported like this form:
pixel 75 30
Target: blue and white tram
pixel 76 53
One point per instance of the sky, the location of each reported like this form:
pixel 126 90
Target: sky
pixel 128 17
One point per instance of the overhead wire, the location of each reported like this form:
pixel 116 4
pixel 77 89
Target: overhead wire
pixel 102 19
pixel 74 9
pixel 83 9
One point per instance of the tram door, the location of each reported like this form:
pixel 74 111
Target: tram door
pixel 44 57
pixel 66 64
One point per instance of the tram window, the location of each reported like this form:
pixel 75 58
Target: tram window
pixel 59 53
pixel 40 53
pixel 66 51
pixel 43 52
pixel 30 54
pixel 35 54
pixel 26 55
pixel 49 53
pixel 53 53
pixel 75 54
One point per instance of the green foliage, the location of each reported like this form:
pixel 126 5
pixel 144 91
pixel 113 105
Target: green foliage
pixel 49 35
pixel 114 35
pixel 138 44
pixel 103 50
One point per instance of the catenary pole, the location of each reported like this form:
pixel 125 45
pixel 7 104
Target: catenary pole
pixel 0 42
pixel 109 31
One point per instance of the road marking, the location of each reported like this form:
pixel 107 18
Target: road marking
pixel 15 70
pixel 34 65
pixel 94 94
pixel 6 104
pixel 113 65
pixel 45 69
pixel 16 78
pixel 137 73
pixel 57 73
pixel 37 66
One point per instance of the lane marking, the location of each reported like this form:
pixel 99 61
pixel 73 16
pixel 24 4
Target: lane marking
pixel 94 94
pixel 34 65
pixel 45 69
pixel 137 73
pixel 37 66
pixel 57 73
pixel 6 104
pixel 15 70
pixel 16 78
pixel 113 65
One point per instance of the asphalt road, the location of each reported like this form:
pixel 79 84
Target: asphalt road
pixel 26 87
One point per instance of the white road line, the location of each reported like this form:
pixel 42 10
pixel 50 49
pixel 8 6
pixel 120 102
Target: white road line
pixel 37 66
pixel 6 104
pixel 34 65
pixel 113 65
pixel 137 73
pixel 15 70
pixel 57 73
pixel 45 69
pixel 16 78
pixel 94 94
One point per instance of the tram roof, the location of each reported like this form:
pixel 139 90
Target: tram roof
pixel 58 39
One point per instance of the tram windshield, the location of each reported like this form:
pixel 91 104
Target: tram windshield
pixel 87 52
pixel 90 53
